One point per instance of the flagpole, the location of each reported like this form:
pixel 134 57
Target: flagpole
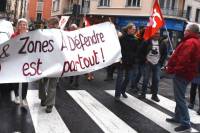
pixel 170 42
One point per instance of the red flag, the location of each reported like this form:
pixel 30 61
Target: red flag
pixel 156 21
pixel 86 21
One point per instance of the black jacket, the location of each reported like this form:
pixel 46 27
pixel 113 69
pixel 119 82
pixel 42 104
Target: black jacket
pixel 129 49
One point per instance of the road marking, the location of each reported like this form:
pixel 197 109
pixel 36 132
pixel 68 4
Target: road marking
pixel 104 118
pixel 148 111
pixel 170 105
pixel 43 122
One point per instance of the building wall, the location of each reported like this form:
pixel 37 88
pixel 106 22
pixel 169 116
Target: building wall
pixel 62 6
pixel 118 7
pixel 46 9
pixel 46 14
pixel 194 4
pixel 32 7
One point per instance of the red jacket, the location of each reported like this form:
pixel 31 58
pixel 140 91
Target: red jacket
pixel 15 34
pixel 184 61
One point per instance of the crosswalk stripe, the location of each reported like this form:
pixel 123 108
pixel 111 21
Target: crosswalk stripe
pixel 104 118
pixel 149 112
pixel 43 122
pixel 170 105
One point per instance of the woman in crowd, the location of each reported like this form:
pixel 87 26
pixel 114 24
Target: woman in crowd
pixel 22 27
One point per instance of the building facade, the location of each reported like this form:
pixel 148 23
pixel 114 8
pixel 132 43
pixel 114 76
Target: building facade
pixel 39 10
pixel 14 9
pixel 193 10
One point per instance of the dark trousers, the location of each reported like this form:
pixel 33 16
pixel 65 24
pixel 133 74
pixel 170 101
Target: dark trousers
pixel 110 70
pixel 24 89
pixel 193 91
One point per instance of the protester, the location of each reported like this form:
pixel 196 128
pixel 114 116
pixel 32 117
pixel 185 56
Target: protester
pixel 22 27
pixel 129 47
pixel 6 30
pixel 194 86
pixel 184 65
pixel 154 53
pixel 141 62
pixel 73 80
pixel 47 86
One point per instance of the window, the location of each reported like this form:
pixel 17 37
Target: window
pixel 39 16
pixel 169 4
pixel 56 4
pixel 189 8
pixel 173 4
pixel 104 3
pixel 134 3
pixel 197 18
pixel 162 3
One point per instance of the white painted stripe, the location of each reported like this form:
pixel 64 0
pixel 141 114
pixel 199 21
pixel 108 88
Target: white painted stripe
pixel 148 111
pixel 104 118
pixel 170 105
pixel 44 122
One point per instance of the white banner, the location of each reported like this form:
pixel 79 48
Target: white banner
pixel 57 53
pixel 6 30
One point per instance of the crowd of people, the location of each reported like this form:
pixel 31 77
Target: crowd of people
pixel 140 58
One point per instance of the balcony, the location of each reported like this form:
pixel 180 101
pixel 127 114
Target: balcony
pixel 174 12
pixel 69 9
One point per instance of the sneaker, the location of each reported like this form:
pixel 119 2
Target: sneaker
pixel 24 103
pixel 191 106
pixel 17 100
pixel 171 120
pixel 49 108
pixel 124 95
pixel 182 128
pixel 198 111
pixel 155 98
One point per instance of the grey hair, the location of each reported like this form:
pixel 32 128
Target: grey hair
pixel 193 28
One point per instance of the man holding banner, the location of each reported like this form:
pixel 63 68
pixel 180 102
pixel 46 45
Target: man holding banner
pixel 47 86
pixel 6 30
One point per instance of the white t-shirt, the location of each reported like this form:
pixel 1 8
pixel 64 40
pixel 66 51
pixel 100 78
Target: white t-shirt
pixel 6 30
pixel 154 54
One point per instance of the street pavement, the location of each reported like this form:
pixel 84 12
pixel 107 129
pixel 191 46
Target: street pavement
pixel 91 108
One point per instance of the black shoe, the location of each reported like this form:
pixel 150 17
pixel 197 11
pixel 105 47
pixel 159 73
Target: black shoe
pixel 142 96
pixel 117 98
pixel 43 103
pixel 198 111
pixel 182 128
pixel 49 109
pixel 155 98
pixel 124 95
pixel 171 120
pixel 191 106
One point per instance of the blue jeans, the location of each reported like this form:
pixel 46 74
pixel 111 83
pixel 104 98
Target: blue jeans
pixel 155 69
pixel 181 109
pixel 137 75
pixel 123 77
